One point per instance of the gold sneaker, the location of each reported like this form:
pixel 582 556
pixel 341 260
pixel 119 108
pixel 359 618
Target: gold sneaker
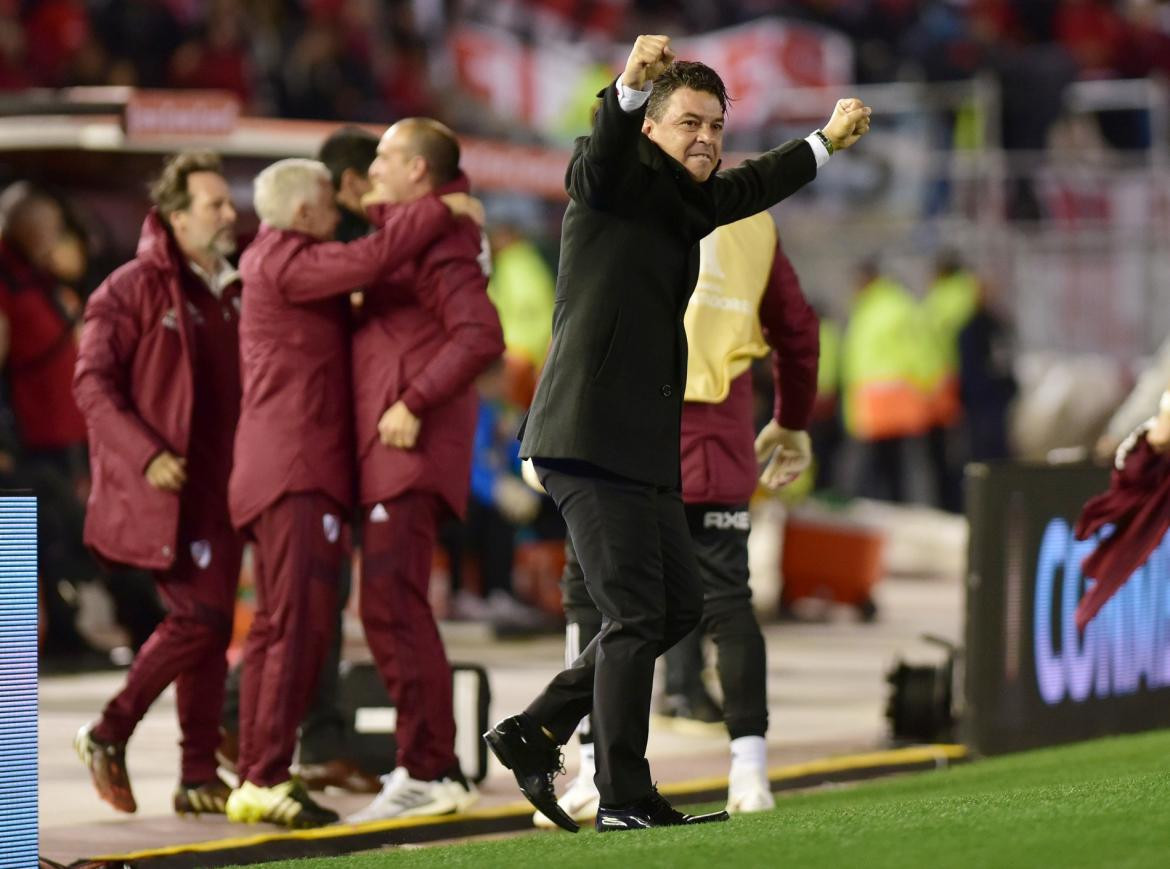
pixel 287 804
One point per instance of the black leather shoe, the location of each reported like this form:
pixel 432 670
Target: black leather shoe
pixel 651 811
pixel 535 759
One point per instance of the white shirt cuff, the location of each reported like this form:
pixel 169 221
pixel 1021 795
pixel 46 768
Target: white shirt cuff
pixel 819 149
pixel 631 100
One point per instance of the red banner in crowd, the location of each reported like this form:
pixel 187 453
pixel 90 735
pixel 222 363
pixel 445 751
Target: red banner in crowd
pixel 548 86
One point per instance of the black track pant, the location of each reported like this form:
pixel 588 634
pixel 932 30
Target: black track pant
pixel 720 534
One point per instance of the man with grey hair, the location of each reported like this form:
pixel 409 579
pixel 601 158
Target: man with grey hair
pixel 292 483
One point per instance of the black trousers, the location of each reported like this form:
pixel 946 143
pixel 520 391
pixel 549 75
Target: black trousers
pixel 638 565
pixel 720 535
pixel 486 533
pixel 883 470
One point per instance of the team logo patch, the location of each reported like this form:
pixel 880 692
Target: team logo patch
pixel 332 526
pixel 194 314
pixel 725 520
pixel 379 514
pixel 201 553
pixel 169 320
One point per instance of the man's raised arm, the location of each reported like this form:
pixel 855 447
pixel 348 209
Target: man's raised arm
pixel 322 270
pixel 607 153
pixel 760 183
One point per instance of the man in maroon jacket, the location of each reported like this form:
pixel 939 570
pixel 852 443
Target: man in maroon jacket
pixel 292 482
pixel 40 352
pixel 157 379
pixel 427 332
pixel 748 299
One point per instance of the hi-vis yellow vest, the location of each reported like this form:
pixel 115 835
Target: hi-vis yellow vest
pixel 722 320
pixel 884 357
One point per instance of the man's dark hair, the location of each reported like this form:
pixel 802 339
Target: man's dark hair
pixel 685 74
pixel 348 148
pixel 436 144
pixel 170 192
pixel 17 199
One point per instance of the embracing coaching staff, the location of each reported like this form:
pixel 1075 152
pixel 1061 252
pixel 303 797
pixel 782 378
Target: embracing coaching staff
pixel 603 431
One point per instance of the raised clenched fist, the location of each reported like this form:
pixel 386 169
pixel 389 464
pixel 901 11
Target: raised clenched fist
pixel 648 58
pixel 850 121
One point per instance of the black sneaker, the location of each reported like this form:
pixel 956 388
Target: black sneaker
pixel 651 811
pixel 535 759
pixel 206 798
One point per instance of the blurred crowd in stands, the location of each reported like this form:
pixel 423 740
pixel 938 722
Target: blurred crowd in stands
pixel 365 60
pixel 911 376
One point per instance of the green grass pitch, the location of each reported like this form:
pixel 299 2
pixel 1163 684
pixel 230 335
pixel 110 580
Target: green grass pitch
pixel 1096 804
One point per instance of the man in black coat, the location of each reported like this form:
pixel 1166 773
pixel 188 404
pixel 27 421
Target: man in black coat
pixel 603 431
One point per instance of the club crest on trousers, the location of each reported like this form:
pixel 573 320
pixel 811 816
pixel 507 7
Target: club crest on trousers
pixel 201 553
pixel 332 526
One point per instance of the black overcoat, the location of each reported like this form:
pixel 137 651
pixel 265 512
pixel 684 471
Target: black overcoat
pixel 611 392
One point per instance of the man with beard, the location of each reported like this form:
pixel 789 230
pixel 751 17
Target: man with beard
pixel 158 381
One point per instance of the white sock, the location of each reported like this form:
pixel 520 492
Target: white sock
pixel 749 752
pixel 588 764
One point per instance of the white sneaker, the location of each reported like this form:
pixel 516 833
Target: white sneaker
pixel 469 607
pixel 580 803
pixel 405 797
pixel 749 790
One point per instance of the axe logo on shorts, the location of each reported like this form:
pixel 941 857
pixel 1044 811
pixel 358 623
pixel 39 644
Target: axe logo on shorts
pixel 332 526
pixel 201 553
pixel 726 520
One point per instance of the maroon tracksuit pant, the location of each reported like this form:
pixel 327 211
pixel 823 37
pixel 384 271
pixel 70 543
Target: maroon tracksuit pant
pixel 397 548
pixel 297 563
pixel 189 646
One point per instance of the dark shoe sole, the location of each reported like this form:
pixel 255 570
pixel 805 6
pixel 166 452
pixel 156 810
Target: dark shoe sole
pixel 691 820
pixel 712 818
pixel 550 808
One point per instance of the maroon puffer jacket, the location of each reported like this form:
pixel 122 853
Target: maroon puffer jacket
pixel 133 382
pixel 296 416
pixel 425 332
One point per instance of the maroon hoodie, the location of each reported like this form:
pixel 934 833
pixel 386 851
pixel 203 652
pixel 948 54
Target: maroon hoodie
pixel 134 384
pixel 425 332
pixel 296 419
